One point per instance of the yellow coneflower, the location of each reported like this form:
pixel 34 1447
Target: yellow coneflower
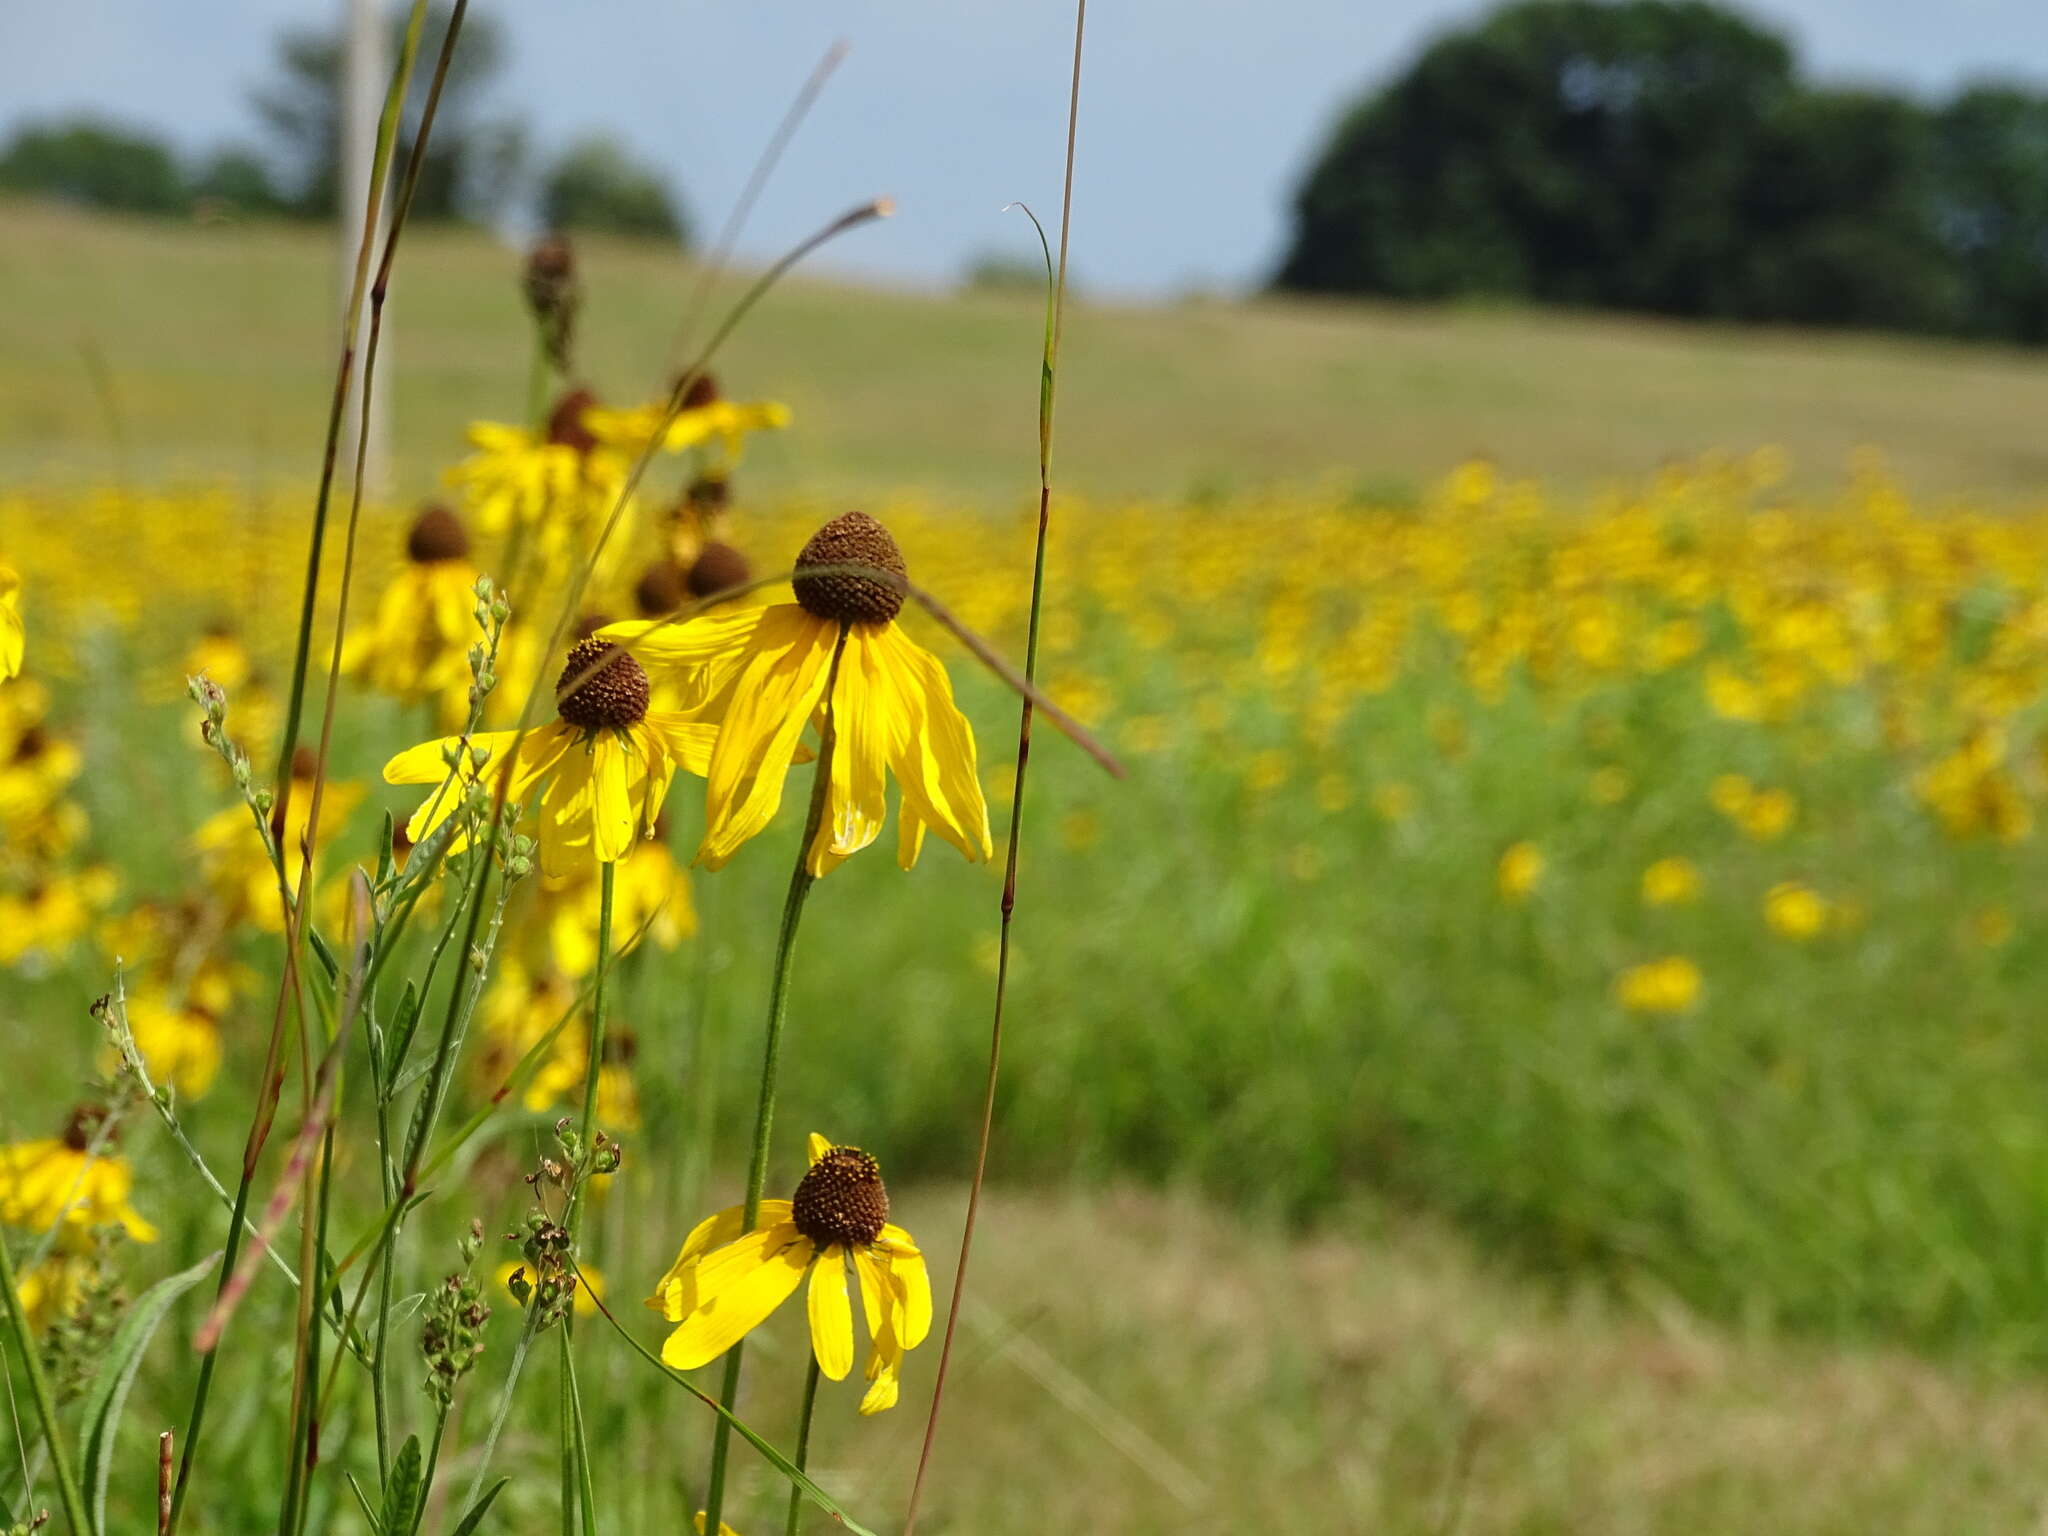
pixel 1519 873
pixel 1795 910
pixel 54 1181
pixel 1670 882
pixel 706 416
pixel 232 857
pixel 760 674
pixel 1669 985
pixel 218 652
pixel 726 1282
pixel 418 645
pixel 602 768
pixel 13 636
pixel 35 772
pixel 650 893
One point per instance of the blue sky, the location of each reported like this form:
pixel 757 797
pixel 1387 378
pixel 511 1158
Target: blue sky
pixel 1197 115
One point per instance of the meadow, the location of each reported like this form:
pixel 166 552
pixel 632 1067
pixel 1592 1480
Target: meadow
pixel 1540 1040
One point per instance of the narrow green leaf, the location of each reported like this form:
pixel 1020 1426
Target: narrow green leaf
pixel 402 1492
pixel 363 1499
pixel 475 1517
pixel 101 1416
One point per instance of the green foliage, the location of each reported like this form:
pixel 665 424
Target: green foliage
pixel 86 160
pixel 1665 156
pixel 598 186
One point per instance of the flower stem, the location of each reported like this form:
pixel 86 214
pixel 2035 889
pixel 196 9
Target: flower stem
pixel 575 1450
pixel 803 1446
pixel 800 882
pixel 46 1407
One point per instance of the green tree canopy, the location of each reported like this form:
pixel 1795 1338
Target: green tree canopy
pixel 1665 155
pixel 87 160
pixel 597 186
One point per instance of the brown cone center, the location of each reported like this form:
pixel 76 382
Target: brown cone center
pixel 841 1199
pixel 611 698
pixel 852 538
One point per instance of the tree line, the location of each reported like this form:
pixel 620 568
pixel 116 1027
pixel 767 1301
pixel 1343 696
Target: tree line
pixel 1668 156
pixel 479 165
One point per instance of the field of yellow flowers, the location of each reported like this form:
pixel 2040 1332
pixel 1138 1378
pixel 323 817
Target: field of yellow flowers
pixel 1642 880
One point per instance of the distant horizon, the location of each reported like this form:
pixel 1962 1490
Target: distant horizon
pixel 1197 121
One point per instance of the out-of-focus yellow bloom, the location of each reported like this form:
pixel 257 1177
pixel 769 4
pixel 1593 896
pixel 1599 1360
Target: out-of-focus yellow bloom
pixel 1393 801
pixel 46 919
pixel 417 647
pixel 727 1280
pixel 1992 926
pixel 13 636
pixel 557 480
pixel 650 895
pixel 1763 815
pixel 237 866
pixel 1796 910
pixel 54 1182
pixel 1974 794
pixel 1671 882
pixel 218 654
pixel 706 416
pixel 1519 872
pixel 179 1046
pixel 53 1287
pixel 519 1012
pixel 1669 985
pixel 602 769
pixel 760 674
pixel 1609 785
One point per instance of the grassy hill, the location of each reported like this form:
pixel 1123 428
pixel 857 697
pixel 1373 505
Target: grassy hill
pixel 151 349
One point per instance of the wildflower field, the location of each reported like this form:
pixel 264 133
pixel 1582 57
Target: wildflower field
pixel 1484 992
pixel 1637 880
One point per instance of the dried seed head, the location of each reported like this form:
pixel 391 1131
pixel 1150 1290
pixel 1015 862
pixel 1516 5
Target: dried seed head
pixel 841 1199
pixel 565 422
pixel 613 697
pixel 852 538
pixel 661 590
pixel 588 624
pixel 305 763
pixel 702 391
pixel 437 534
pixel 31 744
pixel 551 292
pixel 717 568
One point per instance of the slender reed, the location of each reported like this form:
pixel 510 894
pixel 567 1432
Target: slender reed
pixel 46 1408
pixel 1048 381
pixel 800 882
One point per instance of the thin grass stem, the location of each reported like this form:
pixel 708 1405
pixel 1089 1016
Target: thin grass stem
pixel 802 1458
pixel 68 1492
pixel 1048 381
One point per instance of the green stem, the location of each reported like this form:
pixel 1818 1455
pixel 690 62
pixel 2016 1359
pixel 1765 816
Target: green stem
pixel 433 1464
pixel 504 1408
pixel 803 1447
pixel 46 1407
pixel 578 1493
pixel 800 882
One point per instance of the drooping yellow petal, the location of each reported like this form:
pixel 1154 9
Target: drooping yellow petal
pixel 831 1316
pixel 737 1288
pixel 565 814
pixel 688 742
pixel 910 1273
pixel 773 696
pixel 880 1298
pixel 700 653
pixel 714 1231
pixel 817 1147
pixel 618 767
pixel 858 800
pixel 931 748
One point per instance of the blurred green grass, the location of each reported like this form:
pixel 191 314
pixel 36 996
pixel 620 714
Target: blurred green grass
pixel 214 345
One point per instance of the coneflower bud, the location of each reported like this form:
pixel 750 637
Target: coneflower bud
pixel 661 590
pixel 700 392
pixel 611 698
pixel 841 1199
pixel 565 422
pixel 717 568
pixel 551 292
pixel 852 538
pixel 708 494
pixel 84 1125
pixel 437 534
